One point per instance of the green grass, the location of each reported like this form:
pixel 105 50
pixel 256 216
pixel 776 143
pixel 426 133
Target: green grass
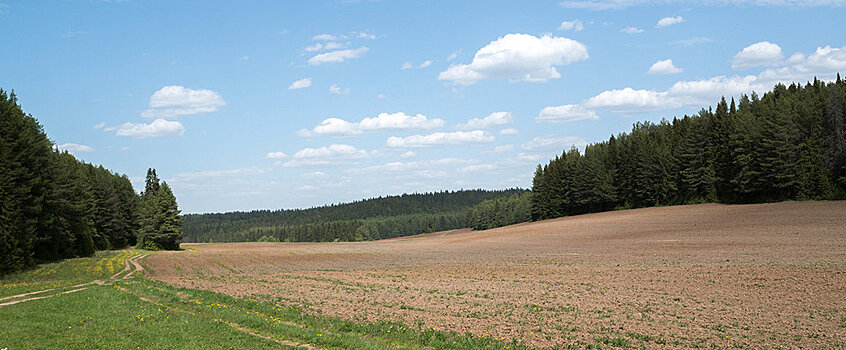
pixel 145 314
pixel 66 272
pixel 103 317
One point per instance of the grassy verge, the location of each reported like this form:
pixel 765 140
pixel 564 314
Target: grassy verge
pixel 66 272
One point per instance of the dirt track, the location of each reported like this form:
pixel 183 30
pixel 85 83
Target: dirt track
pixel 765 275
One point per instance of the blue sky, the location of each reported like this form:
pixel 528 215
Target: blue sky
pixel 250 105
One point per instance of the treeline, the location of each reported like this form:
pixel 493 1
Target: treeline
pixel 503 211
pixel 375 218
pixel 53 206
pixel 789 144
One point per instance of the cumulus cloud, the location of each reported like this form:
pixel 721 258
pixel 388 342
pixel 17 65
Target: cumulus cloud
pixel 425 64
pixel 440 139
pixel 337 56
pixel 553 142
pixel 509 131
pixel 518 57
pixel 383 121
pixel 157 128
pixel 99 126
pixel 337 90
pixel 74 148
pixel 574 25
pixel 668 21
pixel 565 113
pixel 408 154
pixel 664 67
pixel 501 149
pixel 631 100
pixel 333 154
pixel 407 65
pixel 759 54
pixel 494 119
pixel 300 84
pixel 173 100
pixel 631 30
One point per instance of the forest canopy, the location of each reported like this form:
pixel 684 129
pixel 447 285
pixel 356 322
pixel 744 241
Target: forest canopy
pixel 789 144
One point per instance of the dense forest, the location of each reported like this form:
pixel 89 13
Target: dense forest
pixel 502 211
pixel 53 206
pixel 376 218
pixel 789 144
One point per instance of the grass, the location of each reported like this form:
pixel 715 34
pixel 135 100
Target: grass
pixel 145 314
pixel 66 272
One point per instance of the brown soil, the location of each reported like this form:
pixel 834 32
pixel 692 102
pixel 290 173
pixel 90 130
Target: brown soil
pixel 765 275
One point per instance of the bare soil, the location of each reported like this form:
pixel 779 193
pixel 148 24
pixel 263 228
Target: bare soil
pixel 760 276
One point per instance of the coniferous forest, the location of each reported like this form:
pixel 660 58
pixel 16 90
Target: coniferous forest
pixel 53 206
pixel 370 219
pixel 789 144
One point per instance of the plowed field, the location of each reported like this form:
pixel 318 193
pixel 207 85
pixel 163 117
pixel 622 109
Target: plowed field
pixel 765 275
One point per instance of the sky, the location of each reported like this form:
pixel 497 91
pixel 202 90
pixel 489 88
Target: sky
pixel 290 104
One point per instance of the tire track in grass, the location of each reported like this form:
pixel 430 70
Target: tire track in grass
pixel 131 266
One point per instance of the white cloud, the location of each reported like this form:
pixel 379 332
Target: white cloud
pixel 276 155
pixel 518 57
pixel 631 100
pixel 759 54
pixel 363 35
pixel 99 126
pixel 336 126
pixel 383 121
pixel 440 139
pixel 452 56
pixel 565 113
pixel 337 90
pixel 509 131
pixel 326 37
pixel 74 148
pixel 157 128
pixel 408 154
pixel 381 96
pixel 553 142
pixel 300 84
pixel 333 154
pixel 337 56
pixel 574 25
pixel 398 121
pixel 173 101
pixel 494 119
pixel 668 21
pixel 425 64
pixel 478 168
pixel 315 47
pixel 501 149
pixel 664 67
pixel 333 45
pixel 209 174
pixel 631 30
pixel 407 65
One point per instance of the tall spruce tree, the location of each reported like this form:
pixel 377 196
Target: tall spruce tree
pixel 161 225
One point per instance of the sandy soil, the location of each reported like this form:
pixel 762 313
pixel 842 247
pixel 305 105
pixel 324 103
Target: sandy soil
pixel 765 275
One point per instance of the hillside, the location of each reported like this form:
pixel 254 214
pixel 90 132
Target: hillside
pixel 375 218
